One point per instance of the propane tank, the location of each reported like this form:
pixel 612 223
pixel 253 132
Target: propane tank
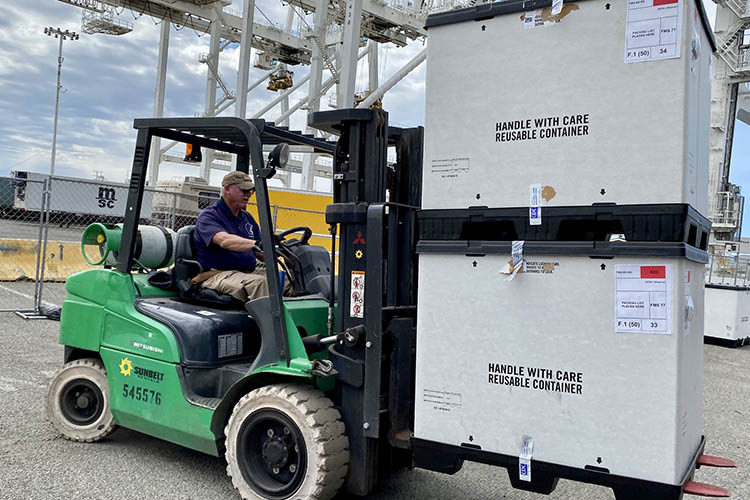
pixel 154 245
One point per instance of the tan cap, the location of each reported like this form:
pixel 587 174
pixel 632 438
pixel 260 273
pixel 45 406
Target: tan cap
pixel 243 180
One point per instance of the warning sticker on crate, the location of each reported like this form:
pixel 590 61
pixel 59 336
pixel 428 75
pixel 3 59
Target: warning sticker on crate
pixel 643 299
pixel 654 30
pixel 357 297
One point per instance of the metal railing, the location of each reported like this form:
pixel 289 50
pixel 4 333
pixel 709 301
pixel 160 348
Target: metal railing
pixel 728 269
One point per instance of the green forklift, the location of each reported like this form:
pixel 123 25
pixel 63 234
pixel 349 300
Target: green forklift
pixel 296 392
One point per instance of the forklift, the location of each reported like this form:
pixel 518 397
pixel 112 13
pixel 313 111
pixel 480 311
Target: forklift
pixel 298 394
pixel 306 394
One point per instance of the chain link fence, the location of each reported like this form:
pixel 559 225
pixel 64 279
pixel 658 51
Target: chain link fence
pixel 728 268
pixel 22 210
pixel 42 221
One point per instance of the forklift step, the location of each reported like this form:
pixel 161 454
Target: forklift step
pixel 705 490
pixel 711 461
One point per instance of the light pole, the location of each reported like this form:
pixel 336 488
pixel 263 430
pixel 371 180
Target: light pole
pixel 62 35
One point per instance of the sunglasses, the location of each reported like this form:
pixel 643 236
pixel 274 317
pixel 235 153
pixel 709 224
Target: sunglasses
pixel 248 191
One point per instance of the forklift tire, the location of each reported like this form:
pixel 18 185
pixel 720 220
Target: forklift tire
pixel 286 441
pixel 77 401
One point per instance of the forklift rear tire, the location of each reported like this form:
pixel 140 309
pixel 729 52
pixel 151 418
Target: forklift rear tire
pixel 77 401
pixel 286 441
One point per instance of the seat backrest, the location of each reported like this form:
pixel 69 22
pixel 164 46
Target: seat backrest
pixel 185 264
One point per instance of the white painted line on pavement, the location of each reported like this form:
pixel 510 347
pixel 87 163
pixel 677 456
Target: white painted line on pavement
pixel 26 296
pixel 15 381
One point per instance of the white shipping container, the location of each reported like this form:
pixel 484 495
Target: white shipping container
pixel 606 102
pixel 597 361
pixel 79 196
pixel 727 314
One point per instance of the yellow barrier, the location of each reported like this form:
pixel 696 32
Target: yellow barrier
pixel 18 260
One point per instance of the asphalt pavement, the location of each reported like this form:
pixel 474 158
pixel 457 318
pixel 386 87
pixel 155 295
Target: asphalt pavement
pixel 36 463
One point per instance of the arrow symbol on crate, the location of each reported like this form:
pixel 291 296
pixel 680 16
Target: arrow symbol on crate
pixel 603 191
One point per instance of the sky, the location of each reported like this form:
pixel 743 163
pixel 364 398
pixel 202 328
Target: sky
pixel 110 80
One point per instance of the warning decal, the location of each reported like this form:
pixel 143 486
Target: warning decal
pixel 643 299
pixel 357 297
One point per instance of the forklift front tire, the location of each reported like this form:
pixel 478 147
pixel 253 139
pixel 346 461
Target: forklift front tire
pixel 286 441
pixel 77 401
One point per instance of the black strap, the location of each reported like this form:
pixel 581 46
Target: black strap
pixel 168 253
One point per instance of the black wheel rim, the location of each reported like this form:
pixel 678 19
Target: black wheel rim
pixel 81 402
pixel 271 454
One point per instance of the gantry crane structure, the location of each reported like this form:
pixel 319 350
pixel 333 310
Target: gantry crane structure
pixel 730 101
pixel 341 33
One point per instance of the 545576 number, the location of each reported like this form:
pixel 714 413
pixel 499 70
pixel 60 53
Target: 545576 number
pixel 141 394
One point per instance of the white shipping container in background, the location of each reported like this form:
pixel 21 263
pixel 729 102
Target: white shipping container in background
pixel 727 314
pixel 79 196
pixel 581 108
pixel 598 361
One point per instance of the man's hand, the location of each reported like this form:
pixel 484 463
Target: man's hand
pixel 259 254
pixel 233 242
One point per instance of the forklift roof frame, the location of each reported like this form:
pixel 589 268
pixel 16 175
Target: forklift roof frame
pixel 242 137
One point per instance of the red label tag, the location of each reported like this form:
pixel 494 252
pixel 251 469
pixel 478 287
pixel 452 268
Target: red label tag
pixel 663 2
pixel 653 272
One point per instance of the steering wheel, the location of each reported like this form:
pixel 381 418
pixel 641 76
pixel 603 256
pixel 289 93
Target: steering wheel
pixel 306 235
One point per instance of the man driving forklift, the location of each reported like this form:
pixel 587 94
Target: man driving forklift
pixel 226 238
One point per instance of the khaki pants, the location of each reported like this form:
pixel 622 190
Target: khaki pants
pixel 241 286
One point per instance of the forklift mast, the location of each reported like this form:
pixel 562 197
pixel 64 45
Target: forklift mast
pixel 375 207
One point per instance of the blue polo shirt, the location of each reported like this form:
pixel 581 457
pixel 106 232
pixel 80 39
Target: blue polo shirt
pixel 217 218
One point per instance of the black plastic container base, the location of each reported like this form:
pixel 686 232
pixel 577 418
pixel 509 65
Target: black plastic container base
pixel 731 343
pixel 672 222
pixel 449 459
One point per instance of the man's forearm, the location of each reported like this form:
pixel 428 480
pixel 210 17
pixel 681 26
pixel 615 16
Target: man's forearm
pixel 233 242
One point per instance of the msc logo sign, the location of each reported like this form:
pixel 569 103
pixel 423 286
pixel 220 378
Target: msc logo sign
pixel 106 197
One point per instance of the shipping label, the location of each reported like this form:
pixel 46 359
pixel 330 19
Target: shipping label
pixel 643 299
pixel 654 30
pixel 535 205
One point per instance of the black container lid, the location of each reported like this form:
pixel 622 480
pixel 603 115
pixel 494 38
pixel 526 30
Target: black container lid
pixel 490 10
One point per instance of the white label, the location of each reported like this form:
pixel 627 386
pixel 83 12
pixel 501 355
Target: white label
pixel 557 6
pixel 442 400
pixel 524 460
pixel 516 257
pixel 450 168
pixel 357 297
pixel 535 205
pixel 643 299
pixel 689 305
pixel 535 18
pixel 654 30
pixel 528 20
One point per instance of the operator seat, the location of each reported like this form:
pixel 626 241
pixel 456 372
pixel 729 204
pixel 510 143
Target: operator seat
pixel 186 267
